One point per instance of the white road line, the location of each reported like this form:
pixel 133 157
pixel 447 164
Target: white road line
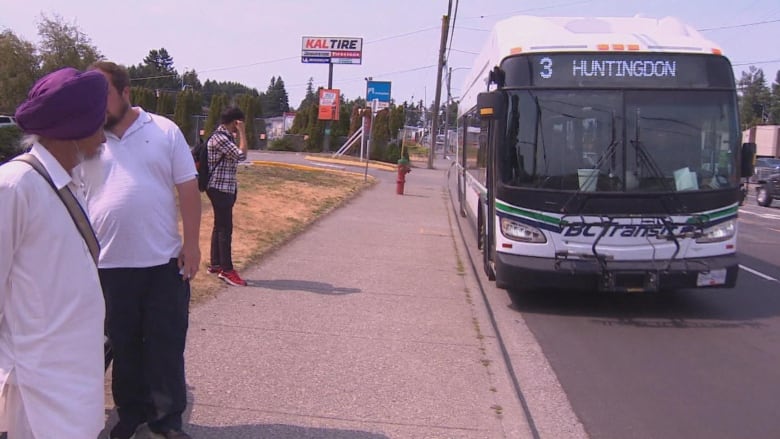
pixel 762 215
pixel 758 273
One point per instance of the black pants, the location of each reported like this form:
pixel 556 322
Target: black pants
pixel 147 312
pixel 222 234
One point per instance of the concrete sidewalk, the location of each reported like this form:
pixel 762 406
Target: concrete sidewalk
pixel 368 325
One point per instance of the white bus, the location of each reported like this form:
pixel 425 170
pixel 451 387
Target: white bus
pixel 602 153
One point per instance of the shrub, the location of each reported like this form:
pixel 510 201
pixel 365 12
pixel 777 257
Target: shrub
pixel 9 143
pixel 286 143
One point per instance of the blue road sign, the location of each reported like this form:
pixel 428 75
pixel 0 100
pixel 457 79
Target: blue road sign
pixel 379 90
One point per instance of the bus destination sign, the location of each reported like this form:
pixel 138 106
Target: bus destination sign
pixel 618 70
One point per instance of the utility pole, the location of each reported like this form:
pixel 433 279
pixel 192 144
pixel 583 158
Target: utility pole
pixel 447 115
pixel 445 28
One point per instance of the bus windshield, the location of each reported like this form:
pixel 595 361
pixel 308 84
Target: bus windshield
pixel 620 140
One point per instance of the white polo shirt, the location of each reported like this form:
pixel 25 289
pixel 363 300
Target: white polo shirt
pixel 51 331
pixel 132 204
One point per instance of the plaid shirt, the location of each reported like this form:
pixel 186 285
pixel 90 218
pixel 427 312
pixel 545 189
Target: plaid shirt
pixel 222 145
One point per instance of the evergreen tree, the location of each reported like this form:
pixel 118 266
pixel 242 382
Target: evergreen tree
pixel 775 105
pixel 166 103
pixel 315 130
pixel 187 106
pixel 396 120
pixel 247 104
pixel 144 98
pixel 276 100
pixel 755 99
pixel 156 72
pixel 301 121
pixel 380 134
pixel 190 80
pixel 218 104
pixel 311 96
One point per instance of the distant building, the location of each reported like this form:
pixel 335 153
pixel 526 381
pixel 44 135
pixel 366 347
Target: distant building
pixel 766 138
pixel 276 127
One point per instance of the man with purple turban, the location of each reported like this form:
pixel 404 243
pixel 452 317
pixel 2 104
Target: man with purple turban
pixel 51 304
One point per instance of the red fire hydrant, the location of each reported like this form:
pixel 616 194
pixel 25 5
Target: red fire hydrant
pixel 403 169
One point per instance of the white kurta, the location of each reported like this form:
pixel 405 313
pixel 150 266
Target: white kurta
pixel 51 332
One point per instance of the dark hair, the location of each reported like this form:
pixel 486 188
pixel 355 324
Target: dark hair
pixel 230 114
pixel 120 79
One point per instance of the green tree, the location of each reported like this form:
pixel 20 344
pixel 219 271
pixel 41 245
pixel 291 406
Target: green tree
pixel 64 45
pixel 166 103
pixel 18 70
pixel 247 104
pixel 218 104
pixel 755 97
pixel 775 104
pixel 315 129
pixel 229 89
pixel 190 80
pixel 380 134
pixel 143 97
pixel 311 95
pixel 187 105
pixel 355 118
pixel 276 100
pixel 396 120
pixel 156 72
pixel 301 120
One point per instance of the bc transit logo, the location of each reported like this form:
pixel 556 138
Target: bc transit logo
pixel 655 230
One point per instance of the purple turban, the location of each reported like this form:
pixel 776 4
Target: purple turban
pixel 66 105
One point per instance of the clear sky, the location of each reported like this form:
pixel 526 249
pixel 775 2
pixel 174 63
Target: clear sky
pixel 249 41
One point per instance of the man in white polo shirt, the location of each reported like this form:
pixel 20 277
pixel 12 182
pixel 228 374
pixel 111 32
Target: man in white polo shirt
pixel 145 266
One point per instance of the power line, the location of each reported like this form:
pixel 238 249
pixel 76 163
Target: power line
pixel 755 23
pixel 757 62
pixel 452 31
pixel 559 5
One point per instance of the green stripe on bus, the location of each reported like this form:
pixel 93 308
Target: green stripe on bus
pixel 508 208
pixel 707 217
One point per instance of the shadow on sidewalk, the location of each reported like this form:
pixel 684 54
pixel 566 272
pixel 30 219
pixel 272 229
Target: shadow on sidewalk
pixel 302 285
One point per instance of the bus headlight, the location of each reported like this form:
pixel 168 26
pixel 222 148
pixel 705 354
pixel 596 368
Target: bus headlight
pixel 521 232
pixel 721 232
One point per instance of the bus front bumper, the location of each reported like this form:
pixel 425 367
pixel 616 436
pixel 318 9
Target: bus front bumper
pixel 526 272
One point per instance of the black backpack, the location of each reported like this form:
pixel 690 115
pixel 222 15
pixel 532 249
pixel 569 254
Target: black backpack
pixel 200 153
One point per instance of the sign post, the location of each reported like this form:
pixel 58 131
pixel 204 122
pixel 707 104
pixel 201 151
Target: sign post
pixel 331 50
pixel 378 94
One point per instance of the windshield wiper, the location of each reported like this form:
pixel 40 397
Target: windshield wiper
pixel 649 162
pixel 609 152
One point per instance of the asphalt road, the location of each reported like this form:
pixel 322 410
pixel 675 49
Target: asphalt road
pixel 690 364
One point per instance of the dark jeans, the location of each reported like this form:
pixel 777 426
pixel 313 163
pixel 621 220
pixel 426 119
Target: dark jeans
pixel 222 234
pixel 147 312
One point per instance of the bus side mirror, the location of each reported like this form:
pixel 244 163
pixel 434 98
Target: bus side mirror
pixel 747 166
pixel 490 104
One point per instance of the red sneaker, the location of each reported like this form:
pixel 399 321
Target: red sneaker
pixel 214 269
pixel 232 278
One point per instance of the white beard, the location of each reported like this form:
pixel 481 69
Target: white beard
pixel 90 173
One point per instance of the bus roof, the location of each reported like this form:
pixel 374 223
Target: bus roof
pixel 532 34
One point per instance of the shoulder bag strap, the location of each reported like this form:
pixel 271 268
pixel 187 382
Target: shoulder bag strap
pixel 71 203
